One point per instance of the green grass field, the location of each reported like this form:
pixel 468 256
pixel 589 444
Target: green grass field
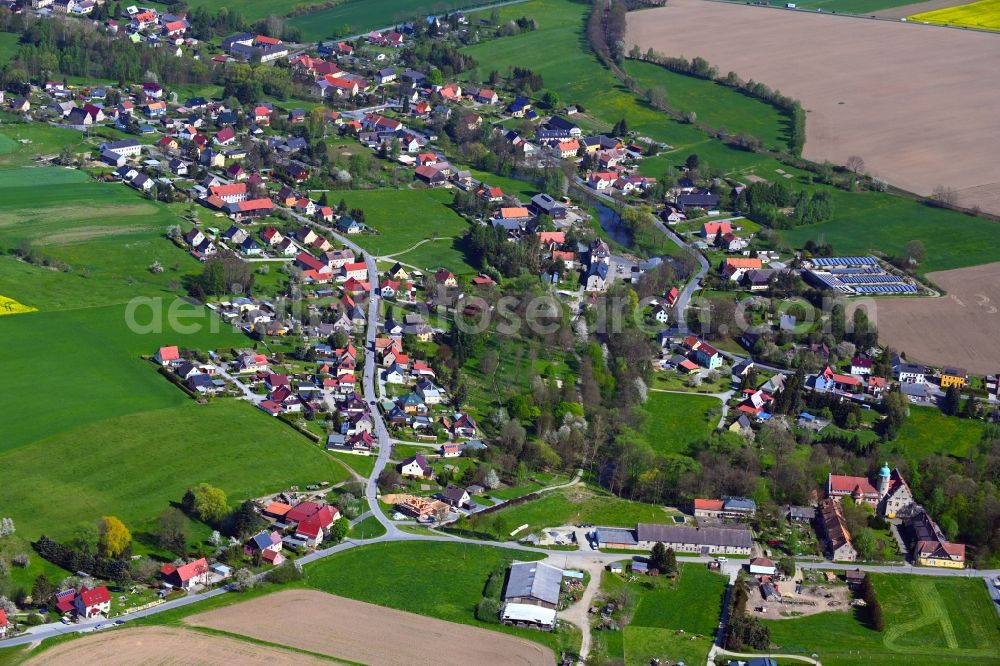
pixel 9 43
pixel 715 104
pixel 134 465
pixel 567 506
pixel 984 14
pixel 929 620
pixel 407 217
pixel 928 431
pixel 368 528
pixel 357 16
pixel 442 580
pixel 93 429
pixel 33 139
pixel 873 222
pixel 850 6
pixel 674 421
pixel 670 621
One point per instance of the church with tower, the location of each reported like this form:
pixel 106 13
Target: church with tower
pixel 890 495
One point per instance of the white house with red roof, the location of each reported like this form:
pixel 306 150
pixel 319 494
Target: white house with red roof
pixel 167 355
pixel 187 576
pixel 92 602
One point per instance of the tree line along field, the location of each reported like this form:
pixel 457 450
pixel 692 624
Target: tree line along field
pixel 930 621
pixel 861 221
pixel 983 14
pixel 715 104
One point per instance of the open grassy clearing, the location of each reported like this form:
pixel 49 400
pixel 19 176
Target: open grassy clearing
pixel 41 140
pixel 442 580
pixel 368 528
pixel 9 43
pixel 929 620
pixel 669 620
pixel 674 421
pixel 567 506
pixel 872 222
pixel 440 253
pixel 355 17
pixel 133 466
pixel 984 14
pixel 716 104
pixel 927 431
pixel 404 217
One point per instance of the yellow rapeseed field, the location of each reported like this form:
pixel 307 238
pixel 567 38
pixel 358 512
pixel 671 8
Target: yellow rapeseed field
pixel 8 306
pixel 983 14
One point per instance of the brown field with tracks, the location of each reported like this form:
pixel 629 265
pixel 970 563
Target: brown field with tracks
pixel 162 645
pixel 343 628
pixel 918 103
pixel 958 329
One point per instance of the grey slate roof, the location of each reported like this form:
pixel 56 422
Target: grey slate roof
pixel 616 535
pixel 534 579
pixel 699 536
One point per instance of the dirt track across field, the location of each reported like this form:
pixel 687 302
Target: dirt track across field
pixel 918 103
pixel 959 329
pixel 162 645
pixel 343 628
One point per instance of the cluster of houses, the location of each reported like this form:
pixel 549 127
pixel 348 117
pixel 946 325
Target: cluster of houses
pixel 421 404
pixel 892 499
pixel 298 526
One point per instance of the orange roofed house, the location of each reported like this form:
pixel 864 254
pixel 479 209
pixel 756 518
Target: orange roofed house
pixel 735 267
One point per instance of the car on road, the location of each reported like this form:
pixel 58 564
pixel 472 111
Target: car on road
pixel 119 622
pixel 720 560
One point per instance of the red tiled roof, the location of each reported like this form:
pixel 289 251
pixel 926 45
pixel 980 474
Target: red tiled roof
pixel 93 596
pixel 708 504
pixel 169 353
pixel 843 485
pixel 229 189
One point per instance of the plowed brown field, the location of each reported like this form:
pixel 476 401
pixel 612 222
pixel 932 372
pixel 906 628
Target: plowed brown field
pixel 918 103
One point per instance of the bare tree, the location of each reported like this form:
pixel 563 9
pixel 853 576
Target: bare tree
pixel 855 163
pixel 945 196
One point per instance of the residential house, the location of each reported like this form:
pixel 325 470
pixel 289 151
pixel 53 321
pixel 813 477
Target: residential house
pixel 533 583
pixel 416 467
pixel 839 546
pixel 957 377
pixel 187 576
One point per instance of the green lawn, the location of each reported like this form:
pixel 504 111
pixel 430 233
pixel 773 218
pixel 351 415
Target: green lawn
pixel 357 16
pixel 444 252
pixel 363 465
pixel 33 139
pixel 9 43
pixel 442 580
pixel 929 620
pixel 251 10
pixel 368 528
pixel 928 431
pixel 567 506
pixel 715 104
pixel 405 217
pixel 133 466
pixel 673 621
pixel 674 421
